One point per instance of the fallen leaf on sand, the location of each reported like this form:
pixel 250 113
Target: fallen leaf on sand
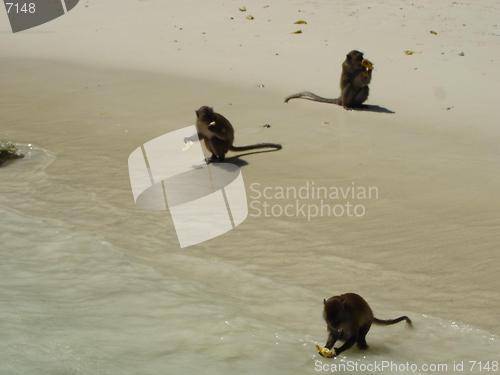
pixel 300 22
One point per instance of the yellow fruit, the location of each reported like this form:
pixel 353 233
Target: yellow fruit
pixel 324 352
pixel 367 64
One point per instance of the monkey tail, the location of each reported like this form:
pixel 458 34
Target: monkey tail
pixel 391 321
pixel 256 146
pixel 311 96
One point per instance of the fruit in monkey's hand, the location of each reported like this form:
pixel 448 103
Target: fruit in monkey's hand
pixel 325 352
pixel 367 64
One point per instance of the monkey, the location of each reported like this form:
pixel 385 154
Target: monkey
pixel 348 318
pixel 354 80
pixel 218 135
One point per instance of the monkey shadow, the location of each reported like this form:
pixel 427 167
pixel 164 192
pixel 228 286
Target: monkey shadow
pixel 236 159
pixel 373 349
pixel 373 108
pixel 376 349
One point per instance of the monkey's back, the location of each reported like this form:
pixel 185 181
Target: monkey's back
pixel 226 126
pixel 361 312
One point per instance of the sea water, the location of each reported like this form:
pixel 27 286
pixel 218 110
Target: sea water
pixel 76 299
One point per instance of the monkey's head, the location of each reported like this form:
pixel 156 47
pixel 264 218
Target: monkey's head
pixel 206 114
pixel 354 60
pixel 333 311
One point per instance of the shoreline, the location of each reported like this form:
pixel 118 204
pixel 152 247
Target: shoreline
pixel 106 114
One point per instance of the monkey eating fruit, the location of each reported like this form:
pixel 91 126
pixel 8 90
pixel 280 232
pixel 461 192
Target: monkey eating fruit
pixel 354 80
pixel 348 318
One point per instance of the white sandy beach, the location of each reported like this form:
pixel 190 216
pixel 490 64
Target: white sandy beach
pixel 93 285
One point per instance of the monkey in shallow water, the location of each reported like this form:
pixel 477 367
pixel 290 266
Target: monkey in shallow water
pixel 218 134
pixel 354 80
pixel 348 318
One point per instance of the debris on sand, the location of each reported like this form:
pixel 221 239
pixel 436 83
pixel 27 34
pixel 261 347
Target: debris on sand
pixel 250 17
pixel 409 52
pixel 300 22
pixel 267 126
pixel 243 9
pixel 461 54
pixel 8 150
pixel 433 32
pixel 297 32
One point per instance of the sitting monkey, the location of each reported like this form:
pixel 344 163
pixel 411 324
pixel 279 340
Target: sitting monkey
pixel 218 134
pixel 354 80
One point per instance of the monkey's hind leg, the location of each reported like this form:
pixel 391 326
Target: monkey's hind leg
pixel 218 148
pixel 212 159
pixel 362 337
pixel 361 96
pixel 209 146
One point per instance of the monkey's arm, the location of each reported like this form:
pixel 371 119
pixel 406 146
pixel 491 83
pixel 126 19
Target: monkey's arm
pixel 222 136
pixel 363 79
pixel 349 343
pixel 332 339
pixel 219 133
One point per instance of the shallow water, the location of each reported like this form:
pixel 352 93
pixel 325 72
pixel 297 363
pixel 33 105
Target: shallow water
pixel 91 285
pixel 74 303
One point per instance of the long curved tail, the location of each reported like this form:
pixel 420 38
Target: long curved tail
pixel 311 96
pixel 391 321
pixel 256 146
